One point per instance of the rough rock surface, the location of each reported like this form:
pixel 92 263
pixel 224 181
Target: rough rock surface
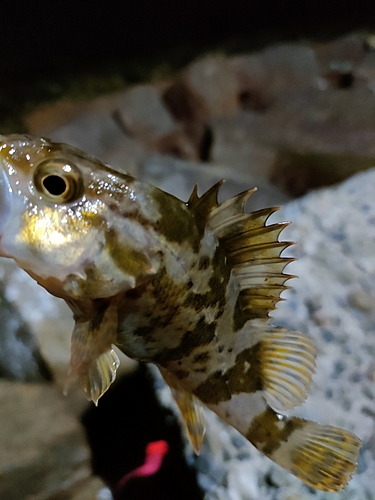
pixel 255 114
pixel 333 301
pixel 20 358
pixel 44 455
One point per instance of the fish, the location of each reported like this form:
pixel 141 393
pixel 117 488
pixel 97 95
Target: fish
pixel 187 286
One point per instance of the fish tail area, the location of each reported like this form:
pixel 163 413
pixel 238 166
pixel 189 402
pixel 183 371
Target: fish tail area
pixel 321 456
pixel 271 375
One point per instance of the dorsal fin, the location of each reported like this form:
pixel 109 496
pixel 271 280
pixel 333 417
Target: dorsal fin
pixel 202 206
pixel 252 249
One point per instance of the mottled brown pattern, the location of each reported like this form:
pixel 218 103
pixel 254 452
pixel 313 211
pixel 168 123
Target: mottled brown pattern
pixel 202 334
pixel 204 262
pixel 214 390
pixel 217 283
pixel 181 374
pixel 202 357
pixel 165 295
pixel 245 375
pixel 268 430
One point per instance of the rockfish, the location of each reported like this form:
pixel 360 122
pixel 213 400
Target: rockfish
pixel 186 286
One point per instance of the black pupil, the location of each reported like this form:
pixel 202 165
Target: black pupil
pixel 55 185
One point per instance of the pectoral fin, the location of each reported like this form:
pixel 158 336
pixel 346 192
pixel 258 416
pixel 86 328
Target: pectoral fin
pixel 287 363
pixel 100 376
pixel 93 361
pixel 191 410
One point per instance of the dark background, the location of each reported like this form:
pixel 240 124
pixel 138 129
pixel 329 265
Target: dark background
pixel 40 38
pixel 47 45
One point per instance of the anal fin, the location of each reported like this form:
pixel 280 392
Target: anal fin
pixel 191 410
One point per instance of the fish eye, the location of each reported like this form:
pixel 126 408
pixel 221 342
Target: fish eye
pixel 55 185
pixel 58 181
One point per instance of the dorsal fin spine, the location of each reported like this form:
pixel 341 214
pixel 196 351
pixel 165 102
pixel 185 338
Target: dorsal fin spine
pixel 252 248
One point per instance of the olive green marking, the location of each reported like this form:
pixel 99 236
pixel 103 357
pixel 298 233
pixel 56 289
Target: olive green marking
pixel 181 374
pixel 239 316
pixel 245 375
pixel 214 390
pixel 166 291
pixel 131 262
pixel 137 216
pixel 204 262
pixel 217 284
pixel 266 433
pixel 202 334
pixel 166 296
pixel 147 332
pixel 176 223
pixel 200 370
pixel 251 306
pixel 202 357
pixel 96 322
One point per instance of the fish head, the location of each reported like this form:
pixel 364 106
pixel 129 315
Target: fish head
pixel 61 220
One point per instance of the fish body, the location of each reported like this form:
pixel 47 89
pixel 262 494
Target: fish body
pixel 186 286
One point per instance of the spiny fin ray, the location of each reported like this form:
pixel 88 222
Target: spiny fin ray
pixel 203 206
pixel 191 410
pixel 251 248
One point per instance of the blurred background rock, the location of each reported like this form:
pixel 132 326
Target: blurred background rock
pixel 280 95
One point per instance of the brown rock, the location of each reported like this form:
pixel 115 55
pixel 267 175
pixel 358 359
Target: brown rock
pixel 44 454
pixel 299 171
pixel 237 142
pixel 143 114
pixel 90 489
pixel 253 82
pixel 175 144
pixel 185 104
pixel 348 51
pixel 214 80
pixel 366 70
pixel 264 75
pixel 329 121
pixel 339 61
